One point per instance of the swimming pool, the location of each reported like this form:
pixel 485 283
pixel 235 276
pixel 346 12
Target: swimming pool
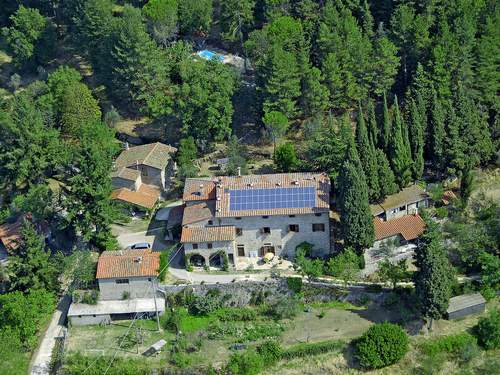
pixel 209 55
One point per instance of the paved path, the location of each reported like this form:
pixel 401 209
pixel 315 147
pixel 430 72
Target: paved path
pixel 41 359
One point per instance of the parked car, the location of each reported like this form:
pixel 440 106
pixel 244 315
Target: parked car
pixel 140 246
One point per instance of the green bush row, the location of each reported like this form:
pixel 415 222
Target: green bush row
pixel 452 344
pixel 235 314
pixel 307 349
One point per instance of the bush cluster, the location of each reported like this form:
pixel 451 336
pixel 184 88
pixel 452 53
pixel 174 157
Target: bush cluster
pixel 246 363
pixel 270 351
pixel 235 314
pixel 284 308
pixel 307 349
pixel 488 330
pixel 453 344
pixel 382 345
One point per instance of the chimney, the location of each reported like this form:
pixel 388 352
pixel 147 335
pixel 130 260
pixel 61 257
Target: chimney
pixel 239 171
pixel 126 146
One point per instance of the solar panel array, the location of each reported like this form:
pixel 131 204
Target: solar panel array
pixel 265 199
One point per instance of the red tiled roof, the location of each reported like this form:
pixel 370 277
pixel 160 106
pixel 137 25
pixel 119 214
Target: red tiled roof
pixel 127 263
pixel 146 196
pixel 10 233
pixel 208 234
pixel 319 181
pixel 198 212
pixel 198 189
pixel 409 226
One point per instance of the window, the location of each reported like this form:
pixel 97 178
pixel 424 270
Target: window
pixel 209 246
pixel 121 281
pixel 402 208
pixel 195 246
pixel 239 231
pixel 291 215
pixel 149 278
pixel 320 227
pixel 210 222
pixel 265 230
pixel 293 228
pixel 317 214
pixel 237 218
pixel 241 250
pixel 265 217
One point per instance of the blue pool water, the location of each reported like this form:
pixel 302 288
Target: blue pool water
pixel 209 55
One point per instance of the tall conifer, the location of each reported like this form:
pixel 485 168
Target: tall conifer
pixel 416 140
pixel 399 149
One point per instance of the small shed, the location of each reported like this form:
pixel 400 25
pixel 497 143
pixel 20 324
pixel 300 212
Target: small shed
pixel 466 304
pixel 155 348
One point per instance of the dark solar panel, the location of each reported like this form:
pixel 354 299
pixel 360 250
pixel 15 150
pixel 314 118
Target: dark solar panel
pixel 264 199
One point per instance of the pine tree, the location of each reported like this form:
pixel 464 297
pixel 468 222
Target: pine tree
pixel 387 181
pixel 314 94
pixel 30 268
pixel 437 133
pixel 367 157
pixel 399 149
pixel 416 140
pixel 356 223
pixel 373 131
pixel 385 130
pixel 434 278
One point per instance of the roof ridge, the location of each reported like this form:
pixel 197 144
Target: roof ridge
pixel 149 153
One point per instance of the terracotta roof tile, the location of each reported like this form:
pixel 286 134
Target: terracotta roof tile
pixel 146 196
pixel 198 211
pixel 198 189
pixel 208 234
pixel 127 263
pixel 409 226
pixel 156 155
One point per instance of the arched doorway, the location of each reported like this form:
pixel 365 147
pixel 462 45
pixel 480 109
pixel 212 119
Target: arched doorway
pixel 197 260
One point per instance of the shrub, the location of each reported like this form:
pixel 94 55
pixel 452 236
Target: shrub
pixel 181 360
pixel 270 351
pixel 247 363
pixel 164 258
pixel 284 308
pixel 235 314
pixel 205 305
pixel 488 330
pixel 307 349
pixel 441 212
pixel 294 283
pixel 452 344
pixel 125 295
pixel 382 345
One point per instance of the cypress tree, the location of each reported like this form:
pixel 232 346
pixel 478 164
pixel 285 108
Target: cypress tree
pixel 386 127
pixel 416 140
pixel 454 150
pixel 367 157
pixel 399 149
pixel 386 179
pixel 434 278
pixel 437 133
pixel 373 132
pixel 356 223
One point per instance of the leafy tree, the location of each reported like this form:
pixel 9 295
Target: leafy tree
pixel 356 222
pixel 246 363
pixel 31 37
pixel 112 117
pixel 368 157
pixel 382 345
pixel 163 18
pixel 186 156
pixel 38 201
pixel 78 107
pixel 400 149
pixel 139 72
pixel 344 265
pixel 285 158
pixel 58 82
pixel 393 272
pixel 434 278
pixel 387 181
pixel 80 269
pixel 490 271
pixel 204 100
pixel 236 155
pixel 277 124
pixel 417 127
pixel 90 211
pixel 195 16
pixel 30 268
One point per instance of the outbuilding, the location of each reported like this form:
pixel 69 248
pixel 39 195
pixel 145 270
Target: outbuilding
pixel 466 304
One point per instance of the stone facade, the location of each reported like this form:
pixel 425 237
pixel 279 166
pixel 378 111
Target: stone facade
pixel 208 254
pixel 136 287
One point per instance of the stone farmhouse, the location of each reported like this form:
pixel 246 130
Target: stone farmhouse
pixel 141 173
pixel 251 216
pixel 128 285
